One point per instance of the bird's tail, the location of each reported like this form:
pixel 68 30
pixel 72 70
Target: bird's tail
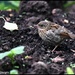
pixel 72 35
pixel 67 35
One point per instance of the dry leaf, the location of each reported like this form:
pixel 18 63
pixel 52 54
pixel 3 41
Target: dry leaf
pixel 10 26
pixel 58 59
pixel 28 57
pixel 73 50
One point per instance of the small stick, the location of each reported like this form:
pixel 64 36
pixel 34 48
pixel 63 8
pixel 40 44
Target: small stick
pixel 55 48
pixel 3 18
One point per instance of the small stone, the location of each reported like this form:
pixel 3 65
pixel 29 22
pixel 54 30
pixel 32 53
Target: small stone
pixel 1 49
pixel 11 15
pixel 66 21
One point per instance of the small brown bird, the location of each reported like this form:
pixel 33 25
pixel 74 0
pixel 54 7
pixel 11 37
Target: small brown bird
pixel 53 33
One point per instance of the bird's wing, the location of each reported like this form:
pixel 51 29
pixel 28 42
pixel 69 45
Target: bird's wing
pixel 55 26
pixel 67 35
pixel 50 34
pixel 72 35
pixel 52 26
pixel 64 34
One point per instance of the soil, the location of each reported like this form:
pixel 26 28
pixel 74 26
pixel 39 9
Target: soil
pixel 40 58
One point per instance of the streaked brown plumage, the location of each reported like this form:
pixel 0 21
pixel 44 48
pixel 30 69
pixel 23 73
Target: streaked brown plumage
pixel 53 33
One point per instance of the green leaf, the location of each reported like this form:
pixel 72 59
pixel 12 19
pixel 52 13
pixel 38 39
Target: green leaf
pixel 11 55
pixel 12 52
pixel 18 50
pixel 15 3
pixel 69 3
pixel 15 51
pixel 2 5
pixel 72 65
pixel 16 67
pixel 14 71
pixel 69 70
pixel 2 55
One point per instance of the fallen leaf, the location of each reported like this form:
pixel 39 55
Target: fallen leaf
pixel 73 50
pixel 28 57
pixel 10 26
pixel 57 59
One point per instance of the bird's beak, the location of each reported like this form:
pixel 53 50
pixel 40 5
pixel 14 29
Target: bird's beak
pixel 35 26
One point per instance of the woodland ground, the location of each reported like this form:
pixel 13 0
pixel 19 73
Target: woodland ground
pixel 30 13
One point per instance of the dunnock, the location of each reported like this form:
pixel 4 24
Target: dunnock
pixel 53 33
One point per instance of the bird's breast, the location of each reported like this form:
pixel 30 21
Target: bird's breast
pixel 42 34
pixel 49 36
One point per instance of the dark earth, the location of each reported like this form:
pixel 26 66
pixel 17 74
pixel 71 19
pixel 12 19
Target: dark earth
pixel 40 59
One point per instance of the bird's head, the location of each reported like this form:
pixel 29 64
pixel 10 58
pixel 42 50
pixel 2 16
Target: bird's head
pixel 43 25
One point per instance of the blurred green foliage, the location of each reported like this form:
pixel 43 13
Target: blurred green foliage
pixel 4 5
pixel 69 3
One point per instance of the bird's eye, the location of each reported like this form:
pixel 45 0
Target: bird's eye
pixel 41 25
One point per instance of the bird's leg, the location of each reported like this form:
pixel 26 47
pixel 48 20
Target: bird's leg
pixel 55 48
pixel 57 45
